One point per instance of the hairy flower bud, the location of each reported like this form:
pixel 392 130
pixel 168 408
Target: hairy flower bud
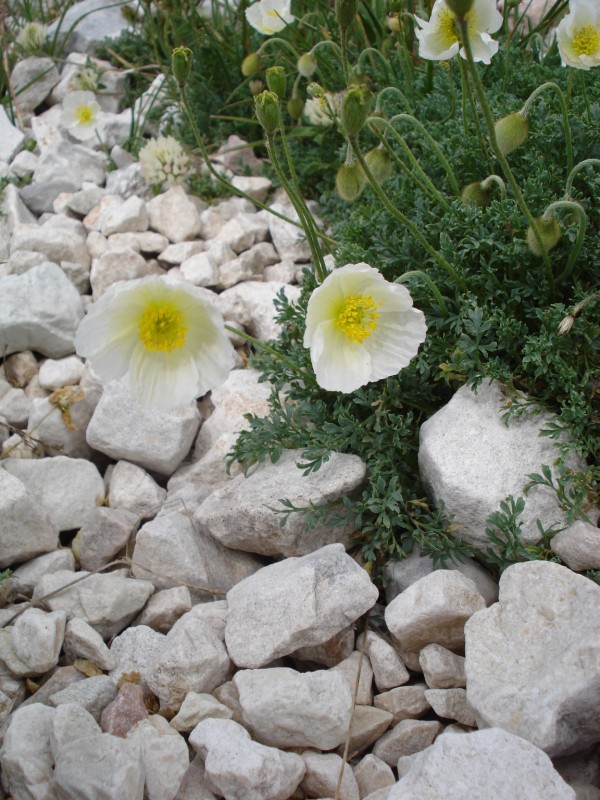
pixel 350 182
pixel 459 7
pixel 266 107
pixel 379 163
pixel 476 195
pixel 550 231
pixel 307 65
pixel 251 65
pixel 355 110
pixel 181 62
pixel 511 132
pixel 295 107
pixel 315 90
pixel 345 13
pixel 276 81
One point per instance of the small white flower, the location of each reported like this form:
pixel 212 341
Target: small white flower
pixel 164 161
pixel 360 328
pixel 166 338
pixel 578 35
pixel 32 36
pixel 438 38
pixel 269 16
pixel 322 110
pixel 80 114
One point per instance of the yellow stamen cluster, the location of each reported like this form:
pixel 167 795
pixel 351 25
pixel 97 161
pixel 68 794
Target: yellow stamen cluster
pixel 162 327
pixel 84 114
pixel 447 28
pixel 586 40
pixel 358 317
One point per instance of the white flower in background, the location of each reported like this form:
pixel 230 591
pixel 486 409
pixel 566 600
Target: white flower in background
pixel 80 114
pixel 270 16
pixel 438 38
pixel 322 110
pixel 578 35
pixel 164 161
pixel 166 338
pixel 360 328
pixel 32 36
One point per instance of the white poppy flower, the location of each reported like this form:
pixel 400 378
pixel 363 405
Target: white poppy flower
pixel 80 114
pixel 360 328
pixel 578 35
pixel 438 38
pixel 166 338
pixel 270 16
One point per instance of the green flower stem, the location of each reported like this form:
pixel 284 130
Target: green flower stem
pixel 407 171
pixel 392 90
pixel 418 273
pixel 326 43
pixel 563 110
pixel 277 40
pixel 345 66
pixel 371 51
pixel 434 146
pixel 268 349
pixel 577 168
pixel 576 209
pixel 425 183
pixel 410 226
pixel 466 91
pixel 581 77
pixel 485 184
pixel 489 121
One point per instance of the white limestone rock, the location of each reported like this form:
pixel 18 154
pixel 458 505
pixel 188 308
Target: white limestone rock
pixel 269 617
pixel 248 266
pixel 404 702
pixel 74 163
pixel 243 231
pixel 164 608
pixel 129 217
pixel 133 651
pixel 284 708
pixel 543 636
pixel 254 186
pixel 56 373
pixel 442 669
pixel 190 658
pixel 84 26
pixel 62 434
pixel 114 266
pixel 104 532
pixel 433 610
pixel 175 254
pixel 491 763
pixel 39 310
pixel 253 300
pixel 66 489
pixel 107 602
pixel 165 755
pixel 349 669
pixel 37 638
pixel 368 725
pixel 32 80
pixel 11 139
pixel 26 756
pixel 146 242
pixel 14 407
pixel 240 516
pixel 58 245
pixel 131 488
pixel 578 546
pixel 113 769
pixel 322 773
pixel 451 704
pixel 175 214
pixel 193 785
pixel 329 653
pixel 196 707
pixel 388 668
pixel 21 368
pixel 201 269
pixel 407 737
pixel 93 694
pixel 241 769
pixel 170 551
pixel 289 240
pixel 471 460
pixel 26 530
pixel 25 577
pixel 82 641
pixel 69 723
pixel 371 774
pixel 125 430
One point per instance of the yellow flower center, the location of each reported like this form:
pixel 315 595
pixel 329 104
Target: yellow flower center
pixel 162 327
pixel 84 114
pixel 358 317
pixel 586 40
pixel 446 28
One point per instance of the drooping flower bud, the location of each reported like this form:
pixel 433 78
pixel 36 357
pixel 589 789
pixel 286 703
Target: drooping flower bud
pixel 251 65
pixel 295 107
pixel 476 195
pixel 550 231
pixel 307 65
pixel 355 110
pixel 276 81
pixel 266 107
pixel 345 13
pixel 511 132
pixel 181 63
pixel 379 163
pixel 393 23
pixel 459 7
pixel 350 182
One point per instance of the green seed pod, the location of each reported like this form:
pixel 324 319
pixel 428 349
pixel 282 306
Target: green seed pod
pixel 276 81
pixel 355 110
pixel 295 107
pixel 511 132
pixel 181 63
pixel 459 7
pixel 379 163
pixel 350 182
pixel 251 65
pixel 345 13
pixel 475 194
pixel 266 107
pixel 550 232
pixel 307 65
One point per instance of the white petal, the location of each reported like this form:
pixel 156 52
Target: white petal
pixel 396 342
pixel 339 364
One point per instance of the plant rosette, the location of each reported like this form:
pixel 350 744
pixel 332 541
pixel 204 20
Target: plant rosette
pixel 360 328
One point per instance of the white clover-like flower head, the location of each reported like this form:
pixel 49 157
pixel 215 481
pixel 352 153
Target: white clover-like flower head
pixel 578 35
pixel 80 114
pixel 360 328
pixel 270 16
pixel 32 36
pixel 322 110
pixel 438 38
pixel 168 340
pixel 163 161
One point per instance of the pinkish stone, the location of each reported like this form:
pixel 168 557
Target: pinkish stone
pixel 125 710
